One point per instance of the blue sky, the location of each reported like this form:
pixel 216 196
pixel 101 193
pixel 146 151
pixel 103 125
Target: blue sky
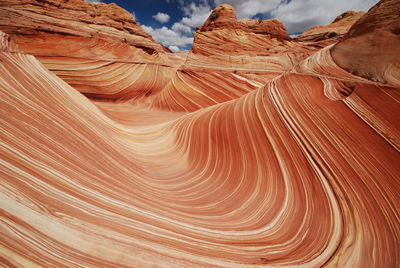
pixel 172 22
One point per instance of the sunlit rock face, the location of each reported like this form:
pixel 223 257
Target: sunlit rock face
pixel 223 34
pixel 98 49
pixel 75 28
pixel 335 30
pixel 230 58
pixel 371 48
pixel 223 167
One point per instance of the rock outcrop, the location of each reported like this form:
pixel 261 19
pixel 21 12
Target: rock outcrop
pixel 337 29
pixel 261 166
pixel 224 17
pixel 223 33
pixel 75 28
pixel 97 48
pixel 228 59
pixel 371 48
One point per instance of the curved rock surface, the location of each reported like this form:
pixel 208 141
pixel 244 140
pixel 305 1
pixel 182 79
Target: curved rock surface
pixel 97 48
pixel 337 29
pixel 371 48
pixel 75 28
pixel 228 59
pixel 262 167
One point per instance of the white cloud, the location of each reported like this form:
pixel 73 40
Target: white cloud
pixel 174 48
pixel 179 27
pixel 93 1
pixel 161 17
pixel 168 37
pixel 300 15
pixel 181 33
pixel 196 14
pixel 297 15
pixel 246 9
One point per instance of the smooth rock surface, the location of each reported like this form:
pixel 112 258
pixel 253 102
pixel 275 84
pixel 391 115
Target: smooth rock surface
pixel 371 48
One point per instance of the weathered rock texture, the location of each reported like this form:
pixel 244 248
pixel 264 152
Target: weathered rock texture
pixel 371 48
pixel 294 168
pixel 75 28
pixel 223 33
pixel 228 59
pixel 97 48
pixel 335 30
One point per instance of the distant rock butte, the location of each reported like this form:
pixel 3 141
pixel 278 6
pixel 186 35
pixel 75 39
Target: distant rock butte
pixel 223 33
pixel 336 29
pixel 224 17
pixel 225 41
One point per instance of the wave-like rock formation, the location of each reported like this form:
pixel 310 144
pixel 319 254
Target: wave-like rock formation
pixel 298 168
pixel 97 48
pixel 101 51
pixel 228 59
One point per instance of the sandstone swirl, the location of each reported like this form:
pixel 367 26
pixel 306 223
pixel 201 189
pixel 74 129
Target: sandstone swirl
pixel 292 162
pixel 98 49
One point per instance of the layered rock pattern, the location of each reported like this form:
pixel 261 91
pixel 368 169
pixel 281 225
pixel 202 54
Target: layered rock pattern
pixel 337 29
pixel 223 34
pixel 294 168
pixel 228 59
pixel 97 48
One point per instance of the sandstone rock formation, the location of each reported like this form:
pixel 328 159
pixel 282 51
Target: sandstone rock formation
pixel 228 59
pixel 224 17
pixel 75 28
pixel 336 29
pixel 371 48
pixel 223 33
pixel 97 48
pixel 263 166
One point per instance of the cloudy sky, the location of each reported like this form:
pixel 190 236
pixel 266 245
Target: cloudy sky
pixel 172 22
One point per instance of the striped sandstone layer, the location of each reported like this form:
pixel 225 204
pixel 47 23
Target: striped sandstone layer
pixel 298 171
pixel 98 49
pixel 230 58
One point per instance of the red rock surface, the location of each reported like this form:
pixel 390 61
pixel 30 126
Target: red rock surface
pixel 371 48
pixel 335 30
pixel 75 28
pixel 223 33
pixel 228 59
pixel 97 48
pixel 231 164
